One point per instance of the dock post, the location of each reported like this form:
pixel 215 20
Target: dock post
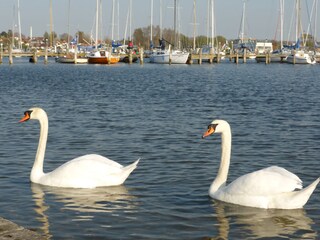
pixel 141 55
pixel 46 55
pixel 190 61
pixel 10 55
pixel 218 54
pixel 76 54
pixel 244 55
pixel 237 58
pixel 130 56
pixel 266 58
pixel 35 58
pixel 294 57
pixel 170 55
pixel 211 55
pixel 1 51
pixel 200 56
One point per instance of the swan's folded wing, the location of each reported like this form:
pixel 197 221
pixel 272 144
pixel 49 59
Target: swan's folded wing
pixel 267 181
pixel 91 164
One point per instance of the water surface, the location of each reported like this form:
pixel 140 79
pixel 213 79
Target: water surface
pixel 158 113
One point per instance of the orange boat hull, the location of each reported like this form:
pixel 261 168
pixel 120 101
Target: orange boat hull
pixel 103 60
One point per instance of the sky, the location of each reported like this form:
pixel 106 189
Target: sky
pixel 261 21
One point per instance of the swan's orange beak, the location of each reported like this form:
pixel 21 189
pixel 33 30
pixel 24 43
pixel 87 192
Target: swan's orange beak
pixel 210 131
pixel 25 118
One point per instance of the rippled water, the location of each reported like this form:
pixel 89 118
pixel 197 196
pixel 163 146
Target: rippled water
pixel 158 113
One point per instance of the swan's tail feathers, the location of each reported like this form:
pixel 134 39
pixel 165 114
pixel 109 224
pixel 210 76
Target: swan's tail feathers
pixel 301 197
pixel 128 169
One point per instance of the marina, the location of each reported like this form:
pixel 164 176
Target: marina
pixel 193 58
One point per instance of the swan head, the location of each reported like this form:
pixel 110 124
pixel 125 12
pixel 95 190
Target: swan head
pixel 33 113
pixel 216 126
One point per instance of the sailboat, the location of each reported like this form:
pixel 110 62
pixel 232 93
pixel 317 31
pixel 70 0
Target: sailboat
pixel 71 57
pixel 100 55
pixel 299 56
pixel 243 43
pixel 169 55
pixel 264 48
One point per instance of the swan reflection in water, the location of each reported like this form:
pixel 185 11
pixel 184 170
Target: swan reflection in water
pixel 256 223
pixel 102 199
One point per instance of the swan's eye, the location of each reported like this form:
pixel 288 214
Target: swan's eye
pixel 213 126
pixel 27 113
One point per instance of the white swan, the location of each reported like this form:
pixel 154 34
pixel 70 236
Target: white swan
pixel 271 187
pixel 88 171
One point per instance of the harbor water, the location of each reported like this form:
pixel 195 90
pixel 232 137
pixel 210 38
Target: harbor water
pixel 158 113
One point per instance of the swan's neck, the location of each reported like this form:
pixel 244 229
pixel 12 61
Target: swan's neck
pixel 221 178
pixel 37 169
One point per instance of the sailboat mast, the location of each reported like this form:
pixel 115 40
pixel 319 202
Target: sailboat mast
pixel 97 23
pixel 212 23
pixel 112 25
pixel 242 22
pixel 13 26
pixel 194 24
pixel 51 22
pixel 151 21
pixel 315 21
pixel 281 22
pixel 118 20
pixel 297 19
pixel 175 22
pixel 19 22
pixel 160 19
pixel 68 26
pixel 130 20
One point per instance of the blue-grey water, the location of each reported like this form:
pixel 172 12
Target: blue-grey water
pixel 158 113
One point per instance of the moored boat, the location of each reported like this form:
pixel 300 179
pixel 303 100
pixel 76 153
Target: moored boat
pixel 169 56
pixel 102 57
pixel 300 57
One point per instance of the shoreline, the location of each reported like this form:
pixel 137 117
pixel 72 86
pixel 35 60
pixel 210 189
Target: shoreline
pixel 11 230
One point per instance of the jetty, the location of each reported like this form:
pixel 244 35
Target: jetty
pixel 12 231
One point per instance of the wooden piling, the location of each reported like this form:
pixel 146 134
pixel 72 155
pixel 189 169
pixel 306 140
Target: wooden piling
pixel 130 56
pixel 75 54
pixel 35 57
pixel 237 58
pixel 211 55
pixel 170 55
pixel 46 56
pixel 141 55
pixel 200 56
pixel 10 55
pixel 244 55
pixel 218 56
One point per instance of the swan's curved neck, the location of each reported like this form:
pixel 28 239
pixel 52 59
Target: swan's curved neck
pixel 37 169
pixel 222 176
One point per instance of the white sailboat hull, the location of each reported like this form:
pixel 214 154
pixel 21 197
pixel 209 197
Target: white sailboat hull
pixel 177 57
pixel 300 57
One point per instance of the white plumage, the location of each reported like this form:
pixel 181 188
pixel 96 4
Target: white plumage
pixel 88 171
pixel 272 187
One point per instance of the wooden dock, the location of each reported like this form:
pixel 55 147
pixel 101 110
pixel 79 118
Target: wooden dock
pixel 194 58
pixel 12 231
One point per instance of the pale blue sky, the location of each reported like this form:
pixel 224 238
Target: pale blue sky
pixel 261 16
